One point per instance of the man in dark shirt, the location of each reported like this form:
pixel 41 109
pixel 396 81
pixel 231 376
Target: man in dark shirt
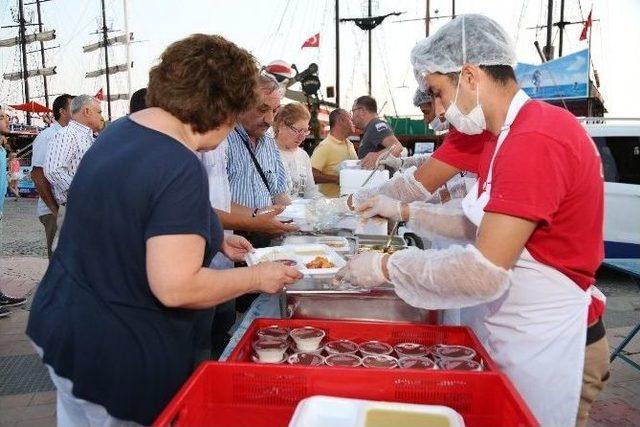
pixel 377 134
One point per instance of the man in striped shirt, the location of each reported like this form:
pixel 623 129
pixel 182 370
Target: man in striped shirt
pixel 68 147
pixel 263 184
pixel 256 174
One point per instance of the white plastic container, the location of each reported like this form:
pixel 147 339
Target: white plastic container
pixel 322 411
pixel 351 180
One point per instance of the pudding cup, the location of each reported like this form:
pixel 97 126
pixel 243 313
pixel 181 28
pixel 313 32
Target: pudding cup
pixel 270 350
pixel 308 338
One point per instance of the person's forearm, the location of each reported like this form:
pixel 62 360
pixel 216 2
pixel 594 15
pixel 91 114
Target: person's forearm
pixel 237 209
pixel 44 188
pixel 238 220
pixel 209 287
pixel 322 178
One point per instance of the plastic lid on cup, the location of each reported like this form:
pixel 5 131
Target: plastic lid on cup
pixel 307 332
pixel 454 352
pixel 417 363
pixel 274 332
pixel 305 359
pixel 375 347
pixel 341 347
pixel 411 349
pixel 343 360
pixel 380 361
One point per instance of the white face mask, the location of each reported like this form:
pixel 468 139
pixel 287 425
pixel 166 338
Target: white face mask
pixel 472 123
pixel 438 124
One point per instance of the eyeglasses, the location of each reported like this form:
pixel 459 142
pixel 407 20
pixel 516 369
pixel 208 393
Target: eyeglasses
pixel 353 110
pixel 300 133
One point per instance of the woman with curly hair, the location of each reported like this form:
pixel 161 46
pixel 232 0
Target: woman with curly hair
pixel 113 317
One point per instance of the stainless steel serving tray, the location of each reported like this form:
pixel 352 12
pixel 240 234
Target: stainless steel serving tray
pixel 379 304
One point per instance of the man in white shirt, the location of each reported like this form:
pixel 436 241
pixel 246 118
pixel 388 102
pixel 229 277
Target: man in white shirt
pixel 47 209
pixel 68 147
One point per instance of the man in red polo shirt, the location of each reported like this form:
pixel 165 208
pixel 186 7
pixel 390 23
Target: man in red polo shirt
pixel 460 152
pixel 540 195
pixel 463 152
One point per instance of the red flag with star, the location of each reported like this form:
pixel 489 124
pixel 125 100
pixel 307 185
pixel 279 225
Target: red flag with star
pixel 313 41
pixel 587 25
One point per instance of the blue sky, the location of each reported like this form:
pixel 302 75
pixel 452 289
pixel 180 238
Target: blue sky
pixel 275 29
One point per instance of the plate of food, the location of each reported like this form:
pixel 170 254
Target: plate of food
pixel 318 260
pixel 310 259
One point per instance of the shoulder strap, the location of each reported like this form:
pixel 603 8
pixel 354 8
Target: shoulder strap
pixel 255 161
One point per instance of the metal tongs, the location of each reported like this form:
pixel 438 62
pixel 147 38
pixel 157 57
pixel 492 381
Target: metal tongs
pixel 394 230
pixel 377 168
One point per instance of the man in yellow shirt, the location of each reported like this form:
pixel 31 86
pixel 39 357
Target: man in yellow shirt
pixel 331 151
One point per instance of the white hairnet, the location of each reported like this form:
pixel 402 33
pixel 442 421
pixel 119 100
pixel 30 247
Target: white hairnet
pixel 467 39
pixel 420 98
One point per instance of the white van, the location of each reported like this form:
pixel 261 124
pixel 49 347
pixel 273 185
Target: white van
pixel 618 141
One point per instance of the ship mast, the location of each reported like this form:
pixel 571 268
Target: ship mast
pixel 106 58
pixel 127 36
pixel 22 40
pixel 23 47
pixel 369 23
pixel 42 57
pixel 104 43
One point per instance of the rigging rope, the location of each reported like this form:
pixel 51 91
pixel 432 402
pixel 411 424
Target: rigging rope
pixel 520 19
pixel 383 55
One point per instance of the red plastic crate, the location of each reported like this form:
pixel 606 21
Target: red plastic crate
pixel 392 333
pixel 255 395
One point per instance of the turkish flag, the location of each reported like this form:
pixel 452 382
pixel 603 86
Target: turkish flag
pixel 100 95
pixel 313 41
pixel 587 25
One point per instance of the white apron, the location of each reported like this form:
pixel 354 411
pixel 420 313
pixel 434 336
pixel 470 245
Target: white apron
pixel 536 332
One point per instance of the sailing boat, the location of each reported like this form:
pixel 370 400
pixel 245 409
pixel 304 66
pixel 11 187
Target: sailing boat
pixel 22 40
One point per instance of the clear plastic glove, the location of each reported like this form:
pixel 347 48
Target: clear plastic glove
pixel 381 205
pixel 440 220
pixel 405 162
pixel 392 162
pixel 364 270
pixel 403 187
pixel 416 160
pixel 455 277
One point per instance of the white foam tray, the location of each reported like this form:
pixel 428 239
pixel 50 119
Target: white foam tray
pixel 302 254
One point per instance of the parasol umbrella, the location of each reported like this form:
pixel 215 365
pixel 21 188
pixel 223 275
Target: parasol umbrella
pixel 31 107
